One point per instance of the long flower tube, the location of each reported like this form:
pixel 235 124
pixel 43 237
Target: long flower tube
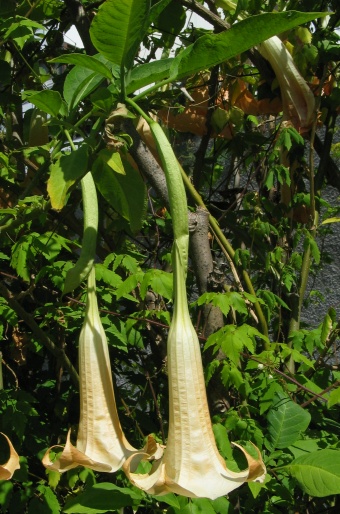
pixel 101 444
pixel 7 469
pixel 191 464
pixel 298 101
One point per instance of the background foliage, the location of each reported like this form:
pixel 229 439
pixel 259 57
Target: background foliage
pixel 271 379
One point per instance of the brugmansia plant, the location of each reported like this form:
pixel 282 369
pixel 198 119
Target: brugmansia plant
pixel 191 464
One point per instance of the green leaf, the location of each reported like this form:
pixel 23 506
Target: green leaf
pixel 330 220
pixel 101 498
pixel 314 249
pixel 222 506
pixel 145 74
pixel 47 100
pixel 169 499
pixel 49 499
pixel 201 505
pixel 170 22
pixel 118 29
pixel 129 284
pixel 303 447
pixel 318 473
pixel 109 277
pixel 334 398
pixel 125 193
pixel 64 173
pixel 286 420
pixel 85 61
pixel 160 281
pixel 102 99
pixel 232 344
pixel 115 162
pixel 157 8
pixel 213 49
pixel 22 254
pixel 78 84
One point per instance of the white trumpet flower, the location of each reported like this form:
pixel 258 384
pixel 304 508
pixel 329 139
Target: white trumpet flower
pixel 101 444
pixel 297 98
pixel 191 464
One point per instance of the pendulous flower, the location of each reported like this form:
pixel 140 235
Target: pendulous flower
pixel 101 444
pixel 191 464
pixel 297 98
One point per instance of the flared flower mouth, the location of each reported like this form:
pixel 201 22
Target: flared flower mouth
pixel 297 98
pixel 7 469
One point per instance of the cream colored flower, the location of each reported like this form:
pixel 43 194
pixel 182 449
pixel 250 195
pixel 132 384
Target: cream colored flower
pixel 101 444
pixel 297 98
pixel 191 464
pixel 7 469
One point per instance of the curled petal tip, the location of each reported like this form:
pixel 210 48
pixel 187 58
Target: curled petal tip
pixel 7 469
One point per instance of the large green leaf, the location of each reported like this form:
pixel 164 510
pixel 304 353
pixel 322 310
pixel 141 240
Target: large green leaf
pixel 86 61
pixel 64 173
pixel 146 74
pixel 47 100
pixel 101 498
pixel 160 282
pixel 125 193
pixel 156 10
pixel 170 22
pixel 212 49
pixel 79 83
pixel 286 420
pixel 119 28
pixel 318 473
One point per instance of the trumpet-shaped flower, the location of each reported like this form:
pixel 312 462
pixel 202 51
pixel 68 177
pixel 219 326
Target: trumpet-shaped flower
pixel 101 444
pixel 7 469
pixel 297 98
pixel 191 464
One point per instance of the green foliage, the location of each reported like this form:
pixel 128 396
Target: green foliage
pixel 286 421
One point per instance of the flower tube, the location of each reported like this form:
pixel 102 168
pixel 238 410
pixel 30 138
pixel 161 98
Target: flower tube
pixel 297 98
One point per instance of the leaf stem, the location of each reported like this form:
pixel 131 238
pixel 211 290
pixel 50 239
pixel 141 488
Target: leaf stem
pixel 153 88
